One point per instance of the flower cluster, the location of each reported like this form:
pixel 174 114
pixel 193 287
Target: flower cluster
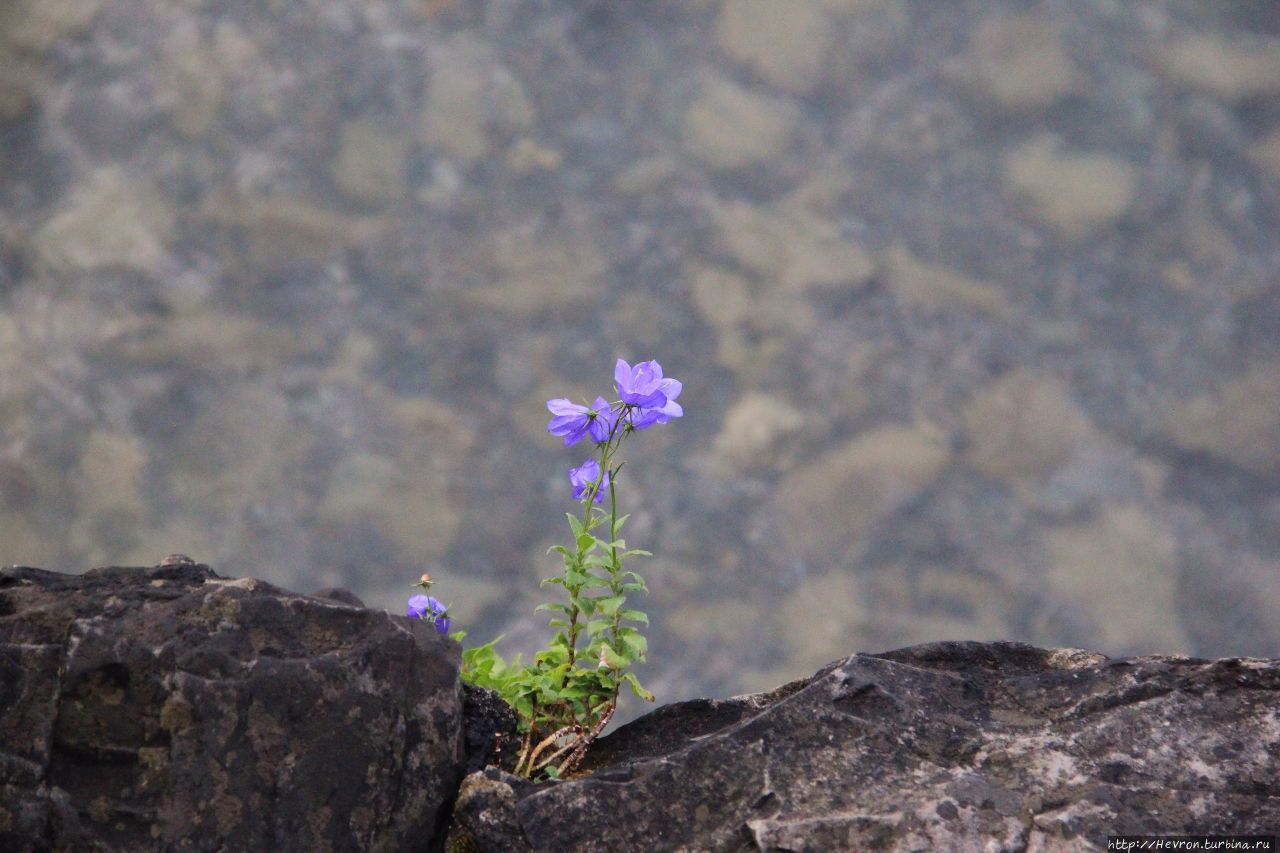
pixel 645 398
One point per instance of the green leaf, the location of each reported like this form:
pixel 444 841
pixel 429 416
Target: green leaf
pixel 621 521
pixel 554 605
pixel 634 642
pixel 636 552
pixel 634 616
pixel 636 688
pixel 574 525
pixel 596 626
pixel 609 605
pixel 585 542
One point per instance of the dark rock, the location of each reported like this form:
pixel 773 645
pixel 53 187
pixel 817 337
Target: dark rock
pixel 490 729
pixel 341 595
pixel 947 746
pixel 169 708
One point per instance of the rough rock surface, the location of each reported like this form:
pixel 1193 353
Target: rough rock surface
pixel 169 708
pixel 947 746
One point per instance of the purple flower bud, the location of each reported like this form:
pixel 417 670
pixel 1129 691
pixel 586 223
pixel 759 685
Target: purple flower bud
pixel 431 609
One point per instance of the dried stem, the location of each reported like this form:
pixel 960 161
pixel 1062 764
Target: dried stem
pixel 543 744
pixel 584 743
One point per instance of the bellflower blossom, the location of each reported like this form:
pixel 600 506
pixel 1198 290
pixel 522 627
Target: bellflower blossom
pixel 430 608
pixel 584 477
pixel 573 421
pixel 648 416
pixel 640 385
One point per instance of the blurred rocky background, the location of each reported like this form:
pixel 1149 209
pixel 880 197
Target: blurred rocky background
pixel 977 306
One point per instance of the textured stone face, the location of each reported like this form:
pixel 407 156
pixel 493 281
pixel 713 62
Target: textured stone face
pixel 168 707
pixel 948 746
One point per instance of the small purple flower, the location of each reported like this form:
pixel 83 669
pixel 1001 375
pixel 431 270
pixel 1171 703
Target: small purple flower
pixel 584 477
pixel 640 385
pixel 573 421
pixel 431 609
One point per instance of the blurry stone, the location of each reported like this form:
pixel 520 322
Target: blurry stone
pixel 189 533
pixel 195 73
pixel 1023 428
pixel 411 507
pixel 533 273
pixel 822 613
pixel 25 543
pixel 369 167
pixel 723 298
pixel 281 231
pixel 19 489
pixel 111 221
pixel 1232 66
pixel 37 25
pixel 1121 568
pixel 112 466
pixel 19 79
pixel 340 595
pixel 1239 421
pixel 854 7
pixel 751 432
pixel 832 504
pixel 1071 192
pixel 701 622
pixel 234 450
pixel 469 95
pixel 432 433
pixel 645 175
pixel 754 320
pixel 786 43
pixel 793 247
pixel 1017 62
pixel 1265 154
pixel 526 156
pixel 729 127
pixel 924 285
pixel 232 341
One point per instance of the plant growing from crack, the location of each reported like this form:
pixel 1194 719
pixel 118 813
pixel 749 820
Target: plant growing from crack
pixel 567 695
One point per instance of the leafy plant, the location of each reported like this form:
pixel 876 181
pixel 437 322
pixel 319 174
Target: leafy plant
pixel 566 696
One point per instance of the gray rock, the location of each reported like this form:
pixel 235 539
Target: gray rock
pixel 947 746
pixel 169 708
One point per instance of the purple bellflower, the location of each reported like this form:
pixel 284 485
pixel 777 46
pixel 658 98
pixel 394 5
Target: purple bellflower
pixel 584 477
pixel 431 609
pixel 640 385
pixel 573 421
pixel 648 416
